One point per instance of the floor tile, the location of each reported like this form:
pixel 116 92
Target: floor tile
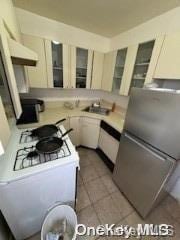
pixel 96 190
pixel 88 217
pixel 35 237
pixel 107 211
pixel 122 204
pixel 172 206
pixel 82 198
pixel 88 173
pixel 84 161
pixel 108 182
pixel 159 216
pixel 79 179
pixel 101 169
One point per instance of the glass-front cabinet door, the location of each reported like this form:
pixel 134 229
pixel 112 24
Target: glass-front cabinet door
pixel 142 62
pixel 81 67
pixel 57 64
pixel 118 70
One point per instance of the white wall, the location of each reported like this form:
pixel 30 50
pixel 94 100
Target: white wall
pixel 36 25
pixel 8 15
pixel 166 23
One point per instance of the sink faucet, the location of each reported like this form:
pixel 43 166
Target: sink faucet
pixel 77 103
pixel 96 104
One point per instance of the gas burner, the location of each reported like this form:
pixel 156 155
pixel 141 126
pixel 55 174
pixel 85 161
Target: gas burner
pixel 32 154
pixel 29 157
pixel 27 137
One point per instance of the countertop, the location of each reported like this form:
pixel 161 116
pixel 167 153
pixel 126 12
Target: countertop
pixel 52 115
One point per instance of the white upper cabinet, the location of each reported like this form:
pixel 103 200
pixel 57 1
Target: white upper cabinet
pixel 169 59
pixel 97 70
pixel 108 70
pixel 141 66
pixel 128 69
pixel 119 70
pixel 57 60
pixel 37 76
pixel 81 67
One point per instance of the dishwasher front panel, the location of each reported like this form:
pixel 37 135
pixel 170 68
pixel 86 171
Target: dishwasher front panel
pixel 141 173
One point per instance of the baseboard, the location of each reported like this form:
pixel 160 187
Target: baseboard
pixel 105 159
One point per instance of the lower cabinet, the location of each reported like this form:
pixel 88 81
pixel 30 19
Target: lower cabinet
pixel 89 132
pixel 109 141
pixel 74 123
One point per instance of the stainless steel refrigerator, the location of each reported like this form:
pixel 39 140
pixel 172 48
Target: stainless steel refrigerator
pixel 149 147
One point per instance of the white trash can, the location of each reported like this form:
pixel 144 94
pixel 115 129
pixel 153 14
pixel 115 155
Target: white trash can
pixel 59 213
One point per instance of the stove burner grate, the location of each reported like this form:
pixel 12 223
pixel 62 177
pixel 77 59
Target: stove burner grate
pixel 29 157
pixel 26 136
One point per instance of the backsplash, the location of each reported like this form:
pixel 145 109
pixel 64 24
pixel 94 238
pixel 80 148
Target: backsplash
pixel 74 94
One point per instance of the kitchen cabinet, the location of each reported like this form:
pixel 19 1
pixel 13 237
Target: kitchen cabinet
pixel 128 69
pixel 75 134
pixel 81 67
pixel 169 59
pixel 57 62
pixel 119 70
pixel 108 70
pixel 89 132
pixel 4 126
pixel 97 70
pixel 37 76
pixel 109 141
pixel 141 65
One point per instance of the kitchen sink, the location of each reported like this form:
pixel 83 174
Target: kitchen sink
pixel 98 110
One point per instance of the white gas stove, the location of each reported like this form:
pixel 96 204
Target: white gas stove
pixel 32 183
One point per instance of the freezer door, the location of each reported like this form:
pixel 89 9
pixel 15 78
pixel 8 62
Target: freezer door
pixel 154 116
pixel 141 173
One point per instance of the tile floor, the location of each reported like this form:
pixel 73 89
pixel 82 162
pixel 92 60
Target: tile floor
pixel 100 201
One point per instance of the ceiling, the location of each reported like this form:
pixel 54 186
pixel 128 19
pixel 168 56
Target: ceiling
pixel 105 17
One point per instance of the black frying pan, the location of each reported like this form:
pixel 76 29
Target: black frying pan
pixel 50 144
pixel 46 130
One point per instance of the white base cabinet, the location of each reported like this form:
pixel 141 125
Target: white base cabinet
pixel 89 132
pixel 75 134
pixel 108 145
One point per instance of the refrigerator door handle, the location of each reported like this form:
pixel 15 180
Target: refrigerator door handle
pixel 160 156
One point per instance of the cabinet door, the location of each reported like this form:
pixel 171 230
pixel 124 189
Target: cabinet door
pixel 81 65
pixel 128 69
pixel 89 132
pixel 142 62
pixel 108 70
pixel 169 59
pixel 119 70
pixel 154 59
pixel 75 134
pixel 37 75
pixel 57 62
pixel 4 127
pixel 97 70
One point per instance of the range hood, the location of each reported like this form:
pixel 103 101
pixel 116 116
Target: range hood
pixel 22 55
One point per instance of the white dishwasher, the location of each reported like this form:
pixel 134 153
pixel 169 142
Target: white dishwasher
pixel 109 141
